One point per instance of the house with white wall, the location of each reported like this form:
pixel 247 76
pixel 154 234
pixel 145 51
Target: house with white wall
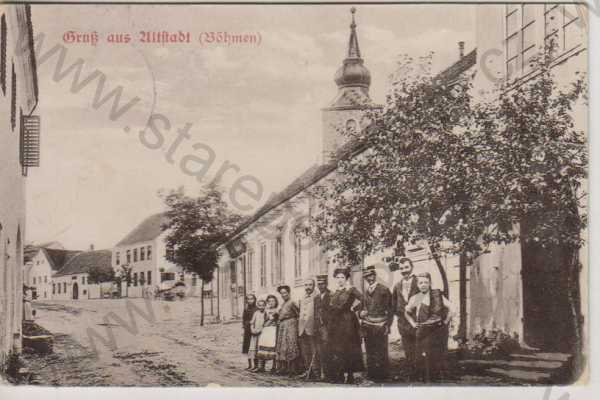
pixel 19 150
pixel 143 250
pixel 43 265
pixel 72 281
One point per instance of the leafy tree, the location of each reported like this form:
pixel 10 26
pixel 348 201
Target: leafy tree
pixel 98 275
pixel 195 227
pixel 459 175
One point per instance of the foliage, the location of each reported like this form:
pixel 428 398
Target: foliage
pixel 493 344
pixel 459 174
pixel 195 227
pixel 98 275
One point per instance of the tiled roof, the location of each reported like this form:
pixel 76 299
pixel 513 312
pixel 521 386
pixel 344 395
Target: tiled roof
pixel 353 147
pixel 85 261
pixel 148 229
pixel 58 258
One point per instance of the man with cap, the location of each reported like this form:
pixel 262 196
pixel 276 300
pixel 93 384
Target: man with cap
pixel 307 331
pixel 403 291
pixel 376 317
pixel 321 321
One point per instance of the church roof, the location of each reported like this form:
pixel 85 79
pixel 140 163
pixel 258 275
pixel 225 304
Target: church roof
pixel 352 148
pixel 148 229
pixel 86 261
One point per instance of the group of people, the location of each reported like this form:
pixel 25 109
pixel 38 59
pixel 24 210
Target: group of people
pixel 320 336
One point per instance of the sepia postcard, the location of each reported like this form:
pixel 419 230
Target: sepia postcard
pixel 309 195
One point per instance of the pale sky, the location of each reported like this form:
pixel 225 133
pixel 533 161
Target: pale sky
pixel 257 106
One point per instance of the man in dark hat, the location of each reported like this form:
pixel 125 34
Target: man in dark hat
pixel 403 291
pixel 321 320
pixel 376 317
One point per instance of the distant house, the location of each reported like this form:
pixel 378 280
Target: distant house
pixel 71 282
pixel 144 251
pixel 44 263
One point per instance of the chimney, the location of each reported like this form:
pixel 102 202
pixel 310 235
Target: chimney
pixel 92 247
pixel 461 49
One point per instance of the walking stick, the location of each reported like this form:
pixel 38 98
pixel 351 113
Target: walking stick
pixel 310 366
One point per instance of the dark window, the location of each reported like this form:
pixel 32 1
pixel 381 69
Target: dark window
pixel 128 256
pixel 135 279
pixel 135 257
pixel 167 276
pixel 194 280
pixel 142 253
pixel 58 285
pixel 118 258
pixel 54 288
pixel 149 252
pixel 65 287
pixel 142 278
pixel 3 54
pixel 149 275
pixel 13 99
pixel 83 280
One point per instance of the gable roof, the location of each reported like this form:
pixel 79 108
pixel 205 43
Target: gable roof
pixel 350 149
pixel 58 257
pixel 148 229
pixel 85 261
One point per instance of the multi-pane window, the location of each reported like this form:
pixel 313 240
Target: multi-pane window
pixel 58 287
pixel 149 277
pixel 142 253
pixel 135 279
pixel 149 252
pixel 249 271
pixel 263 265
pixel 562 30
pixel 3 33
pixel 135 255
pixel 297 256
pixel 520 38
pixel 277 260
pixel 128 256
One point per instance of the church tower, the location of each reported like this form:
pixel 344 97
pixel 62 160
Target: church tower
pixel 346 111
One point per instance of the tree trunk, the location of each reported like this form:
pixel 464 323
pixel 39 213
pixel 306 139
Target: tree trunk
pixel 440 267
pixel 573 295
pixel 202 303
pixel 462 327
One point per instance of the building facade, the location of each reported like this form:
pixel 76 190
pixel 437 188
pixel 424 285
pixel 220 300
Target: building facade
pixel 269 249
pixel 521 288
pixel 42 267
pixel 19 130
pixel 144 251
pixel 72 281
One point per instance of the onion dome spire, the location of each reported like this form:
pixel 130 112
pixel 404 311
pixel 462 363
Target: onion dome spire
pixel 353 72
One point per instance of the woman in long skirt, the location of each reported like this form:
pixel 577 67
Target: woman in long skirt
pixel 288 349
pixel 344 329
pixel 267 341
pixel 246 318
pixel 430 313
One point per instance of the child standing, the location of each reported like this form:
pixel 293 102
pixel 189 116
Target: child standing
pixel 256 327
pixel 267 340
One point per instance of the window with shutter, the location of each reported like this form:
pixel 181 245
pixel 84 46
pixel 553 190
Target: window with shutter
pixel 30 140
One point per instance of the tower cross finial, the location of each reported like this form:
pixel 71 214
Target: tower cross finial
pixel 353 49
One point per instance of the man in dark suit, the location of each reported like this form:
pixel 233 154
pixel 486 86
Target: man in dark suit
pixel 321 320
pixel 403 291
pixel 376 317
